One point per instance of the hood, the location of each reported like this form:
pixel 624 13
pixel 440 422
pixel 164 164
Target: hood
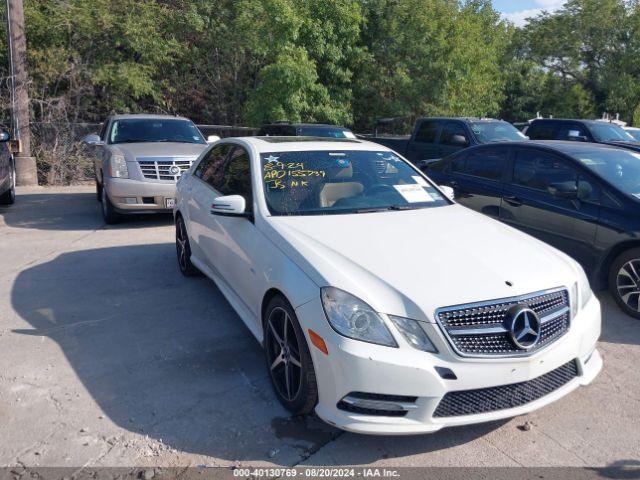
pixel 410 263
pixel 158 149
pixel 635 146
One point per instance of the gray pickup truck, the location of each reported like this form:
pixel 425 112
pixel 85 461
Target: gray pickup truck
pixel 440 137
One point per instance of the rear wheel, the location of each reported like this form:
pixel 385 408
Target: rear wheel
pixel 624 281
pixel 108 211
pixel 288 359
pixel 183 249
pixel 9 197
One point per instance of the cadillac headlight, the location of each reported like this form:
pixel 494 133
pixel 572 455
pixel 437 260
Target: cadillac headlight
pixel 353 318
pixel 413 333
pixel 118 167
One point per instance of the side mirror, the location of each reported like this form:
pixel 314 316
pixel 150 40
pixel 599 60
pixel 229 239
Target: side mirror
pixel 92 140
pixel 212 138
pixel 448 191
pixel 459 141
pixel 229 205
pixel 566 190
pixel 4 136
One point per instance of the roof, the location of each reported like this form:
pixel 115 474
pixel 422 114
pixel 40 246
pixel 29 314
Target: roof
pixel 463 119
pixel 287 144
pixel 326 125
pixel 567 147
pixel 145 116
pixel 581 120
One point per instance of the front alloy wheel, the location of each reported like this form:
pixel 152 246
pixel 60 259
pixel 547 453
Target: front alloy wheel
pixel 288 359
pixel 624 282
pixel 183 250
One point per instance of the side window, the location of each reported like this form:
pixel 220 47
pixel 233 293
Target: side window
pixel 236 179
pixel 427 132
pixel 454 134
pixel 571 131
pixel 540 170
pixel 542 131
pixel 209 166
pixel 485 163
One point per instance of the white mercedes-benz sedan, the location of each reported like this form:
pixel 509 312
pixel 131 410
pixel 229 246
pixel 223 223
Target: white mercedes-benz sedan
pixel 382 305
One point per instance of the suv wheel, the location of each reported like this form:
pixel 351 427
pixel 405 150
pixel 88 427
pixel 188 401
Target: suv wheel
pixel 624 281
pixel 108 212
pixel 183 249
pixel 9 197
pixel 288 359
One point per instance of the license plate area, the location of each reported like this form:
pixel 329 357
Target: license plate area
pixel 169 202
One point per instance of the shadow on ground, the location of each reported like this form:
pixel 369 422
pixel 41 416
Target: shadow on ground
pixel 69 211
pixel 166 356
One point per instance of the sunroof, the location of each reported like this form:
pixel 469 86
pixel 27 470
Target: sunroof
pixel 306 139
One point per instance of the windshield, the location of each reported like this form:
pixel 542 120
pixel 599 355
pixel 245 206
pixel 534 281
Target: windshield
pixel 154 130
pixel 609 132
pixel 619 167
pixel 340 182
pixel 635 134
pixel 487 132
pixel 338 132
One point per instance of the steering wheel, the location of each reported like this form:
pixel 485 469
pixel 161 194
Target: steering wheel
pixel 379 188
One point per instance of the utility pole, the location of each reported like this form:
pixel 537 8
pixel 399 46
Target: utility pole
pixel 26 172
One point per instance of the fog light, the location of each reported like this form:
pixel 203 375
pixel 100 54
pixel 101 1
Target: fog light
pixel 377 404
pixel 130 200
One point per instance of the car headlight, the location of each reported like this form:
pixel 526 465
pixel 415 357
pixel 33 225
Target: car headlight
pixel 118 167
pixel 413 333
pixel 581 293
pixel 353 318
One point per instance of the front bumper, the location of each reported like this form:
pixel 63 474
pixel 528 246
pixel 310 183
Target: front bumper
pixel 150 197
pixel 354 366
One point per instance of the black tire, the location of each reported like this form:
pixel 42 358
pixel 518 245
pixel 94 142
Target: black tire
pixel 108 212
pixel 624 281
pixel 294 385
pixel 183 250
pixel 98 191
pixel 9 197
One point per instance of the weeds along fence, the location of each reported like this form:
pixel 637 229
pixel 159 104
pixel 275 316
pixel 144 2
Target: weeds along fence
pixel 62 159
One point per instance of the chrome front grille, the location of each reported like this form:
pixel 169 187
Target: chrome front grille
pixel 164 168
pixel 481 329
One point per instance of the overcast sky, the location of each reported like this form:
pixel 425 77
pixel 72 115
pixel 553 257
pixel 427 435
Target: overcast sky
pixel 518 10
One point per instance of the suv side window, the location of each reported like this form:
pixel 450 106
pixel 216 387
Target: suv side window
pixel 542 131
pixel 236 178
pixel 428 131
pixel 571 131
pixel 538 170
pixel 209 167
pixel 485 163
pixel 451 130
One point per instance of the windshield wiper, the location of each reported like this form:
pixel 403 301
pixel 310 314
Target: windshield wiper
pixel 387 209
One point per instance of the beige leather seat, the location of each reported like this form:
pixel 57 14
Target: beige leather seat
pixel 332 192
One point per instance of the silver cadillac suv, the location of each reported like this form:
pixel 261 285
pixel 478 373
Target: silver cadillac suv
pixel 138 160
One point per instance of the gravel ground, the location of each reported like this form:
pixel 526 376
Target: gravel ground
pixel 109 357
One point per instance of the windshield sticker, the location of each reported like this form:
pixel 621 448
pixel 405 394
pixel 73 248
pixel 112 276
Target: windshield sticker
pixel 272 159
pixel 343 163
pixel 420 181
pixel 339 154
pixel 413 193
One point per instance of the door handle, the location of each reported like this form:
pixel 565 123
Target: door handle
pixel 515 201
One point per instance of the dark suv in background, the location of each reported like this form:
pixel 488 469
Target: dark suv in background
pixel 286 129
pixel 593 131
pixel 7 171
pixel 438 137
pixel 583 199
